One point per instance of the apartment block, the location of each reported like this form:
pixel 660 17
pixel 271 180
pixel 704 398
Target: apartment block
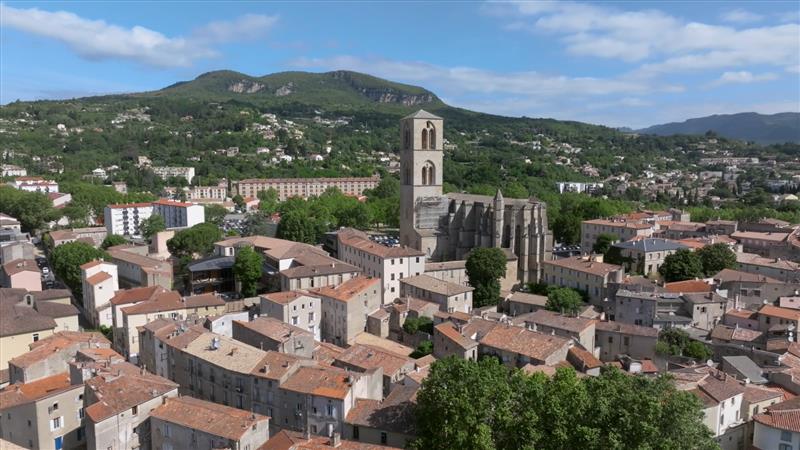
pixel 126 219
pixel 305 187
pixel 297 308
pixel 345 308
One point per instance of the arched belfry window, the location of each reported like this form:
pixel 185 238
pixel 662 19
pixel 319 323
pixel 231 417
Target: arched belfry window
pixel 431 136
pixel 428 174
pixel 425 139
pixel 407 137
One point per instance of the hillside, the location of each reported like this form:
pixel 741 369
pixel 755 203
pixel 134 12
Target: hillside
pixel 760 128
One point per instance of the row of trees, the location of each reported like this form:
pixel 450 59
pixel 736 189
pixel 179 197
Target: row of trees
pixel 484 405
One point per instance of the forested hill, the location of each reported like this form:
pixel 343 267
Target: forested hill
pixel 749 126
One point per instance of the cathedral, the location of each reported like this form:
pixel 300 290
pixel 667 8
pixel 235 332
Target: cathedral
pixel 448 226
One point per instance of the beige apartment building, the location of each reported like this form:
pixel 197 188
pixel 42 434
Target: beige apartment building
pixel 294 307
pixel 137 270
pixel 100 282
pixel 579 329
pixel 305 187
pixel 450 297
pixel 451 271
pixel 268 333
pixel 617 338
pixel 345 308
pixel 186 422
pixel 584 274
pixel 646 255
pixel 777 268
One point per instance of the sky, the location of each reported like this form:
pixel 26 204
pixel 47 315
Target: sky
pixel 628 64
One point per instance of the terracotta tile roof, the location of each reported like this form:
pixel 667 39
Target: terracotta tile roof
pixel 753 394
pixel 349 289
pixel 172 301
pixel 777 311
pixel 68 341
pixel 558 321
pixel 579 264
pixel 582 359
pixel 211 418
pixel 394 414
pixel 758 260
pixel 284 297
pixel 326 352
pixel 528 299
pixel 720 386
pixel 135 295
pixel 726 333
pixel 368 357
pixel 727 275
pixel 784 416
pixel 91 264
pixel 274 329
pixel 118 393
pixel 320 381
pixel 761 236
pixel 626 328
pixel 98 278
pixel 18 318
pixel 742 313
pixel 619 224
pixel 389 345
pixel 531 369
pixel 429 283
pixel 448 330
pixel 678 287
pixel 276 365
pixel 403 304
pixel 518 340
pixel 20 265
pixel 22 393
pixel 290 440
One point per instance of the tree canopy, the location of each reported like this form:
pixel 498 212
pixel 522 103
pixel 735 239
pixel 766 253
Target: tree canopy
pixel 716 257
pixel 485 267
pixel 112 240
pixel 247 270
pixel 215 214
pixel 67 260
pixel 197 240
pixel 564 300
pixel 484 405
pixel 681 265
pixel 32 209
pixel 152 225
pixel 603 243
pixel 674 341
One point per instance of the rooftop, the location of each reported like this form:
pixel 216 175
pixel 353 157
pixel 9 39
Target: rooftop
pixel 361 241
pixel 395 413
pixel 211 418
pixel 20 265
pixel 284 297
pixel 172 301
pixel 449 330
pixel 626 328
pixel 437 286
pixel 580 264
pixel 22 393
pixel 368 357
pixel 120 392
pixel 349 289
pixel 535 345
pixel 275 329
pixel 136 295
pixel 559 321
pixel 320 381
pixel 650 245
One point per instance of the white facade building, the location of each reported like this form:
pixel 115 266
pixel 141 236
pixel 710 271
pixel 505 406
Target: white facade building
pixel 179 214
pixel 126 219
pixel 100 282
pixel 10 170
pixel 167 171
pixel 35 184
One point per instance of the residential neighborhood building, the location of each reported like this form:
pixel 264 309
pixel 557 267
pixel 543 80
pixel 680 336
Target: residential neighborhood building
pixel 268 333
pixel 166 172
pixel 646 255
pixel 34 184
pixel 21 274
pixel 179 214
pixel 297 308
pixel 345 308
pixel 304 187
pixel 584 274
pixel 126 219
pixel 100 282
pixel 450 297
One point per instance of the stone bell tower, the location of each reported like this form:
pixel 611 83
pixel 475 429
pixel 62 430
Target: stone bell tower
pixel 421 153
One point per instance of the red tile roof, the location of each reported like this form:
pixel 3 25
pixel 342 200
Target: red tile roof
pixel 211 418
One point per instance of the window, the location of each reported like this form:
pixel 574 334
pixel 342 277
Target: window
pixel 384 438
pixel 785 447
pixel 786 436
pixel 35 337
pixel 55 424
pixel 54 407
pixel 294 320
pixel 626 340
pixel 80 413
pixel 331 410
pixel 355 432
pixel 166 430
pixel 135 410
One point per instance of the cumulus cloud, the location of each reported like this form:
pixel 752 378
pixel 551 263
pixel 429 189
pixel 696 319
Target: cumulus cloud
pixel 99 40
pixel 741 16
pixel 664 42
pixel 743 77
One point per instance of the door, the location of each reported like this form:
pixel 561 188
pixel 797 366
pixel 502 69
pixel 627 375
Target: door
pixel 59 442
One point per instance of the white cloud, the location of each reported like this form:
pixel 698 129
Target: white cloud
pixel 741 16
pixel 664 42
pixel 743 77
pixel 99 40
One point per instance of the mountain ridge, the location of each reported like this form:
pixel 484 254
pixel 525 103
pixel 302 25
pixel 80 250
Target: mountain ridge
pixel 749 126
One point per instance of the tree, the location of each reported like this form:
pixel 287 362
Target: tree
pixel 238 200
pixel 564 300
pixel 681 265
pixel 112 240
pixel 421 323
pixel 247 270
pixel 296 226
pixel 67 260
pixel 603 243
pixel 485 267
pixel 484 405
pixel 152 225
pixel 32 209
pixel 268 201
pixel 197 240
pixel 674 341
pixel 424 348
pixel 716 257
pixel 215 214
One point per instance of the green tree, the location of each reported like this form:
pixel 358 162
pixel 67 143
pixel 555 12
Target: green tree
pixel 681 265
pixel 112 240
pixel 485 267
pixel 238 200
pixel 268 201
pixel 674 341
pixel 67 260
pixel 424 348
pixel 247 270
pixel 152 225
pixel 32 209
pixel 198 240
pixel 603 243
pixel 564 300
pixel 421 323
pixel 716 257
pixel 296 226
pixel 215 214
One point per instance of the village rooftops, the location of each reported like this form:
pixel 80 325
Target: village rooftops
pixel 580 264
pixel 62 340
pixel 320 381
pixel 774 263
pixel 368 357
pixel 524 342
pixel 16 317
pixel 679 287
pixel 729 275
pixel 526 298
pixel 784 416
pixel 98 278
pixel 211 418
pixel 276 365
pixel 20 265
pixel 782 313
pixel 172 301
pixel 626 328
pixel 349 289
pixel 226 352
pixel 285 297
pixel 726 333
pixel 361 241
pixel 620 223
pixel 290 440
pixel 445 265
pixel 760 236
pixel 558 321
pixel 275 329
pixel 136 295
pixel 395 413
pixel 650 245
pixel 437 286
pixel 121 391
pixel 23 393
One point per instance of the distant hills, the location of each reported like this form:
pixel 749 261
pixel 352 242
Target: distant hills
pixel 748 126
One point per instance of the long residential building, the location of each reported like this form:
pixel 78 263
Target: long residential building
pixel 305 187
pixel 584 274
pixel 35 184
pixel 165 172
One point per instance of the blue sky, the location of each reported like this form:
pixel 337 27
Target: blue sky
pixel 614 63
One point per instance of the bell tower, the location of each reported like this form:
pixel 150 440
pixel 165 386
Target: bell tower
pixel 421 154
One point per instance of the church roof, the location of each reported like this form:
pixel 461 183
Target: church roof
pixel 422 114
